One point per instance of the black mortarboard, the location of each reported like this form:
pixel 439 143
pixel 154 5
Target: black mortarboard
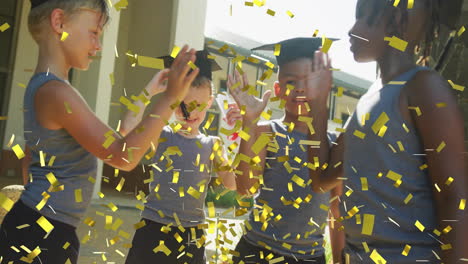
pixel 206 65
pixel 295 48
pixel 36 3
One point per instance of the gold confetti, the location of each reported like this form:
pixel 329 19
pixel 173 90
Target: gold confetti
pixel 377 258
pixel 440 147
pixel 18 151
pixel 340 92
pixel 149 62
pixel 271 12
pixel 419 226
pixel 359 134
pixel 64 36
pixel 4 27
pixel 410 4
pixel 162 248
pixel 326 44
pixel 175 51
pixel 277 49
pixel 406 250
pixel 460 31
pixel 456 87
pixel 42 158
pixel 462 204
pixel 108 142
pixel 380 122
pixel 120 185
pixel 290 14
pixel 397 43
pixel 368 225
pixel 364 184
pixel 5 202
pixel 78 196
pixel 45 224
pixel 408 198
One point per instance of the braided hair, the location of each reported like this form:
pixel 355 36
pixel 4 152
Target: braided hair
pixel 424 48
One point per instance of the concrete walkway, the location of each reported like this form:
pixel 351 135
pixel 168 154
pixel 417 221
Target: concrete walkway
pixel 109 243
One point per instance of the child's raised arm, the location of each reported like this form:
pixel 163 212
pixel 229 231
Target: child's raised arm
pixel 59 106
pixel 442 135
pixel 155 86
pixel 323 180
pixel 253 109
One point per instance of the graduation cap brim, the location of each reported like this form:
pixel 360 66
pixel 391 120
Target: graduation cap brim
pixel 206 65
pixel 293 49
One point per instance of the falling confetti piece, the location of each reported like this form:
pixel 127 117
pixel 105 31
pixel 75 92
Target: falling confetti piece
pixel 4 27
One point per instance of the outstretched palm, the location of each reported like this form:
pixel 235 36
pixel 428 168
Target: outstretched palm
pixel 254 106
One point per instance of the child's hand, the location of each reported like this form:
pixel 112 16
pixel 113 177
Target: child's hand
pixel 253 105
pixel 232 115
pixel 178 80
pixel 158 84
pixel 321 79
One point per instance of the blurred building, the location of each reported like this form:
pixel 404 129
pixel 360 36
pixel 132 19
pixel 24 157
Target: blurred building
pixel 149 28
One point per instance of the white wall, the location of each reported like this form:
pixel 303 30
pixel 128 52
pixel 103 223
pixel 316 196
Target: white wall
pixel 25 60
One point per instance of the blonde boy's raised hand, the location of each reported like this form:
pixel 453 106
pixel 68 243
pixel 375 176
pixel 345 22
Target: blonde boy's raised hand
pixel 158 84
pixel 239 87
pixel 179 80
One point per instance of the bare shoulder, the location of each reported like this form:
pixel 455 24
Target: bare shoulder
pixel 428 87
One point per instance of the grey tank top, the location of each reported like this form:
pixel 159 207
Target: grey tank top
pixel 398 191
pixel 295 215
pixel 69 188
pixel 179 186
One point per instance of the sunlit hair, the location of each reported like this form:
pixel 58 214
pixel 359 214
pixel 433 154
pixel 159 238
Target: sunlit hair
pixel 202 81
pixel 40 14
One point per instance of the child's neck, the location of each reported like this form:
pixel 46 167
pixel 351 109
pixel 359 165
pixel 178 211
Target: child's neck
pixel 298 126
pixel 51 61
pixel 194 132
pixel 393 64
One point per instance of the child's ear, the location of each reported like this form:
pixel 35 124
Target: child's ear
pixel 57 19
pixel 210 102
pixel 395 25
pixel 277 88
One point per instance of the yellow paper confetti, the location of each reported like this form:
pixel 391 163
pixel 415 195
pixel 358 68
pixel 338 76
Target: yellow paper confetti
pixel 406 250
pixel 326 44
pixel 368 225
pixel 5 202
pixel 120 185
pixel 419 226
pixel 290 14
pixel 271 12
pixel 380 122
pixel 78 196
pixel 45 224
pixel 175 51
pixel 441 147
pixel 64 36
pixel 462 204
pixel 149 62
pixel 377 258
pixel 359 134
pixel 397 43
pixel 4 27
pixel 18 151
pixel 456 87
pixel 364 184
pixel 460 31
